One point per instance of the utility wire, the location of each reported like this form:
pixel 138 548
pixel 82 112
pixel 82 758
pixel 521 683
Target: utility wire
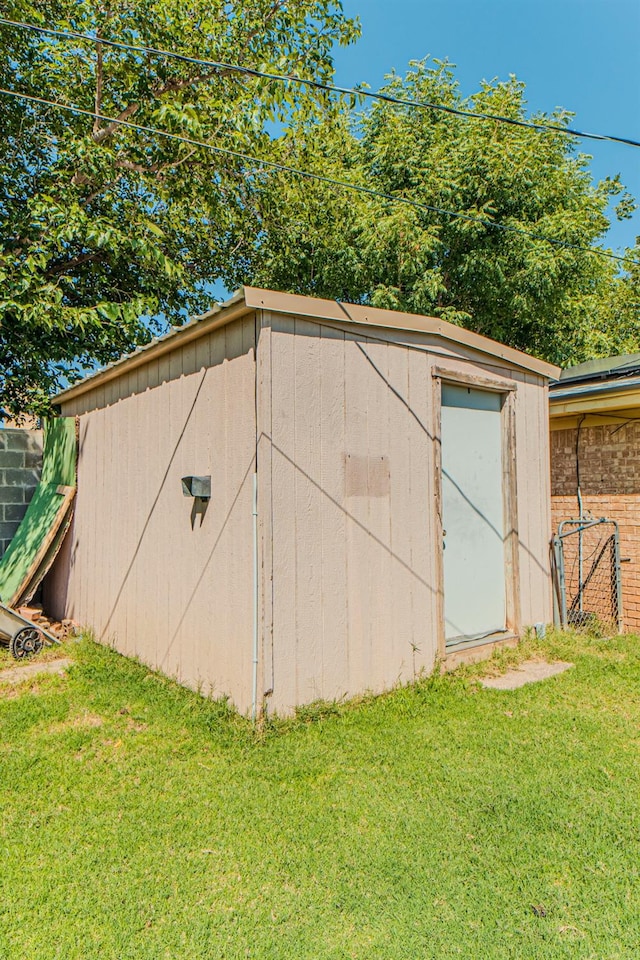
pixel 306 174
pixel 319 85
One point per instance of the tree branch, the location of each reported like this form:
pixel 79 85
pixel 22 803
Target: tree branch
pixel 172 86
pixel 56 270
pixel 173 163
pixel 96 193
pixel 100 135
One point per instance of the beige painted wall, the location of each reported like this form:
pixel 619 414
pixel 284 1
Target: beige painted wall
pixel 347 502
pixel 171 587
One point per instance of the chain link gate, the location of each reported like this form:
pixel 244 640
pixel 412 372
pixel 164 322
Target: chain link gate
pixel 588 587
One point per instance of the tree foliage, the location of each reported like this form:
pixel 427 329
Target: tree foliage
pixel 103 227
pixel 559 303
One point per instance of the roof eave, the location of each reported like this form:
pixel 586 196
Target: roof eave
pixel 195 328
pixel 339 312
pixel 248 299
pixel 592 398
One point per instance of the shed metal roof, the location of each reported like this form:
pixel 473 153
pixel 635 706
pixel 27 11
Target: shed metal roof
pixel 248 299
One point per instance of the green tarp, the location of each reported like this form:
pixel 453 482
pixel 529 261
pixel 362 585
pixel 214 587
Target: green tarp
pixel 38 538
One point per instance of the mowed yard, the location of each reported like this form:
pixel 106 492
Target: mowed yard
pixel 441 820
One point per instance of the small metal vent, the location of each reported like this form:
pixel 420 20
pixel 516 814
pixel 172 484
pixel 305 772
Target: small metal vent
pixel 198 487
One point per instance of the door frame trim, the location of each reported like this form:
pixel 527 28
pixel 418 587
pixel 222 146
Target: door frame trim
pixel 508 389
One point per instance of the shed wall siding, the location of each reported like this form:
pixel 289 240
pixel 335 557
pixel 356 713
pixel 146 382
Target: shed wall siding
pixel 145 570
pixel 351 578
pixel 352 568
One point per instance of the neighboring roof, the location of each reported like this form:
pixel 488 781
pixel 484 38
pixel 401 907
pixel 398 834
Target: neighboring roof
pixel 248 299
pixel 605 368
pixel 611 383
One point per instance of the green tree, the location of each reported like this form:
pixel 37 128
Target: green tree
pixel 103 227
pixel 553 301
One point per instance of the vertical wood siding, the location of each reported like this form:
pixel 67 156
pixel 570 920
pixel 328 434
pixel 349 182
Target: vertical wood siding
pixel 146 571
pixel 351 493
pixel 350 563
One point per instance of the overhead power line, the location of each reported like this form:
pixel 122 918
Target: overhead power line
pixel 308 175
pixel 319 85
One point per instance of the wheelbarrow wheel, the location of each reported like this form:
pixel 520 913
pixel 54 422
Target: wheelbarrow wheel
pixel 26 643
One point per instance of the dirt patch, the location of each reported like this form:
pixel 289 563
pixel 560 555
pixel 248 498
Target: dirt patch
pixel 136 726
pixel 83 721
pixel 22 673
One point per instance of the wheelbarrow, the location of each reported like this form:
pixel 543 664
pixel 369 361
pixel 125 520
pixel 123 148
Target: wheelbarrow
pixel 23 637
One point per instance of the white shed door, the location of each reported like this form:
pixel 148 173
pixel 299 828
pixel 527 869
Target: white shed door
pixel 472 514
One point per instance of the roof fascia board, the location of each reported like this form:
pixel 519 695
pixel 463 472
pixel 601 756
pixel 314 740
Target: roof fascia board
pixel 335 311
pixel 248 299
pixel 595 379
pixel 558 392
pixel 593 402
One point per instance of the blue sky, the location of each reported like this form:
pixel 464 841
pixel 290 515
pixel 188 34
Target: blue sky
pixel 582 55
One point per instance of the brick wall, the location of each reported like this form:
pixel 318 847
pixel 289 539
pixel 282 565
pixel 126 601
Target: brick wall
pixel 609 460
pixel 20 466
pixel 610 484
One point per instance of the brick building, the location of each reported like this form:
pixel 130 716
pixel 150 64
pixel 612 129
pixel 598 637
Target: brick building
pixel 595 449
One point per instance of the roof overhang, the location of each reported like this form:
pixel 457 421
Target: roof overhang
pixel 196 327
pixel 248 299
pixel 594 397
pixel 339 312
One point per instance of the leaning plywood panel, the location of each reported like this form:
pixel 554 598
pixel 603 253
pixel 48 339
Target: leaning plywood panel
pixel 36 541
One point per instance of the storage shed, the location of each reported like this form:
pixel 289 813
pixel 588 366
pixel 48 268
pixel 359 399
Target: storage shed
pixel 379 499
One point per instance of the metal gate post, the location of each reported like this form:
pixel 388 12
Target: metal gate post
pixel 562 592
pixel 618 576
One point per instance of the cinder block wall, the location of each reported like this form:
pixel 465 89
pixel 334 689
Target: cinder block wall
pixel 610 484
pixel 20 467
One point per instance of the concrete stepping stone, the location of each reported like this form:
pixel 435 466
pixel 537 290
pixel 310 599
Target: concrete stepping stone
pixel 530 672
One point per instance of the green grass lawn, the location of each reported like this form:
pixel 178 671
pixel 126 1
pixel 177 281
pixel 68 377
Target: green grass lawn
pixel 442 820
